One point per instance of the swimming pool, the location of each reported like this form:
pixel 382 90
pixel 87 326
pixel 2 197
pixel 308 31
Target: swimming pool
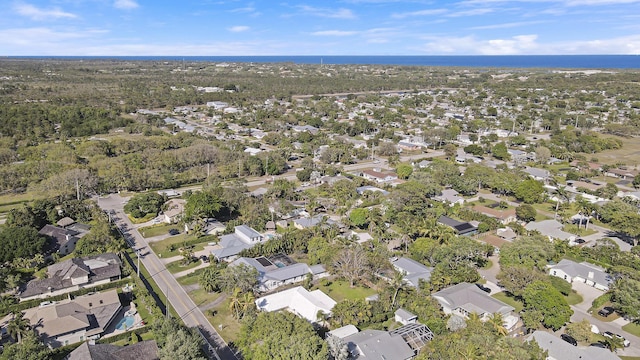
pixel 126 323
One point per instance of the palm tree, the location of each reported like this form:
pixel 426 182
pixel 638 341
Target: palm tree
pixel 397 283
pixel 497 322
pixel 18 326
pixel 613 343
pixel 235 303
pixel 247 301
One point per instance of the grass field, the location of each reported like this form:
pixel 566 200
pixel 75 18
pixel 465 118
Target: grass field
pixel 340 290
pixel 177 266
pixel 163 248
pixel 502 296
pixel 629 153
pixel 156 230
pixel 224 322
pixel 573 298
pixel 632 328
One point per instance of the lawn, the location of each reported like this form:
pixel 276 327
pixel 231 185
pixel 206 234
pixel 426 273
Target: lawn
pixel 201 297
pixel 630 150
pixel 226 325
pixel 11 201
pixel 164 248
pixel 573 298
pixel 632 328
pixel 340 290
pixel 156 230
pixel 509 300
pixel 178 266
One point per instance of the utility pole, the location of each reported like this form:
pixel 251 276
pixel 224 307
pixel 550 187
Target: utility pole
pixel 77 190
pixel 138 268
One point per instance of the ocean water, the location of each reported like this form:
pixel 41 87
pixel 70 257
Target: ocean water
pixel 489 61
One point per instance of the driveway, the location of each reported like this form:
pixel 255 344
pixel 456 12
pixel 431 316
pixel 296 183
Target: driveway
pixel 588 293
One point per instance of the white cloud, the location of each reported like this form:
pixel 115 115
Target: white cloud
pixel 472 12
pixel 126 4
pixel 41 14
pixel 427 12
pixel 334 33
pixel 505 25
pixel 238 28
pixel 328 13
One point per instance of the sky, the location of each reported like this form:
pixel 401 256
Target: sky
pixel 343 27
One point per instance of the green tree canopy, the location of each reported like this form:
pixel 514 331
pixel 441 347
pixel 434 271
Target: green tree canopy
pixel 145 203
pixel 541 296
pixel 526 212
pixel 280 336
pixel 530 191
pixel 202 205
pixel 20 242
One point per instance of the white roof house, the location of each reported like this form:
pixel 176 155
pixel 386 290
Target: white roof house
pixel 273 275
pixel 299 301
pixel 231 245
pixel 450 196
pixel 583 272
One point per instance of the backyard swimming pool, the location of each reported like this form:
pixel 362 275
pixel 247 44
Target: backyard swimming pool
pixel 126 323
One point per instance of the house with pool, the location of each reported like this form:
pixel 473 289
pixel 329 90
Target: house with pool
pixel 60 323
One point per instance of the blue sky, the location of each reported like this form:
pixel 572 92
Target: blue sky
pixel 347 27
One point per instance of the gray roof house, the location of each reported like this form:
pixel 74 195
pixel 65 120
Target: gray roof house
pixel 558 349
pixel 538 174
pixel 63 240
pixel 450 196
pixel 273 274
pixel 73 274
pixel 305 223
pixel 551 229
pixel 377 344
pixel 464 299
pixel 231 245
pixel 583 272
pixel 144 350
pixel 70 321
pixel 413 271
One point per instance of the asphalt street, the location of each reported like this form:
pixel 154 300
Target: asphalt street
pixel 186 309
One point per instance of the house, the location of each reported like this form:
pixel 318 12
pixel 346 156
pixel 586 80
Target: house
pixel 72 275
pixel 404 317
pixel 89 350
pixel 450 196
pixel 298 300
pixel 503 216
pixel 551 229
pixel 63 240
pixel 306 223
pixel 412 270
pixel 302 128
pixel 230 245
pixel 276 271
pixel 401 343
pixel 506 233
pixel 538 174
pixel 210 226
pixel 584 272
pixel 217 105
pixel 377 344
pixel 623 174
pixel 65 221
pixel 461 228
pixel 362 189
pixel 558 349
pixel 464 299
pixel 174 210
pixel 71 321
pixel 378 176
pixel 405 145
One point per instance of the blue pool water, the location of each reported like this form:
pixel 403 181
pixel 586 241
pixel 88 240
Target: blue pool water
pixel 126 321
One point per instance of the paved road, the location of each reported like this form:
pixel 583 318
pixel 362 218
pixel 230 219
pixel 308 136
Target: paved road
pixel 171 289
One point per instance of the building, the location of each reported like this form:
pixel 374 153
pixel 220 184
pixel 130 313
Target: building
pixel 279 270
pixel 464 299
pixel 503 216
pixel 412 270
pixel 306 223
pixel 401 343
pixel 450 196
pixel 174 210
pixel 72 275
pixel 584 272
pixel 63 240
pixel 551 229
pixel 89 350
pixel 299 301
pixel 378 176
pixel 460 228
pixel 71 321
pixel 558 349
pixel 362 189
pixel 405 317
pixel 230 245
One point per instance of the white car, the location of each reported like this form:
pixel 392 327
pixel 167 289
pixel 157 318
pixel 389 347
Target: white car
pixel 610 335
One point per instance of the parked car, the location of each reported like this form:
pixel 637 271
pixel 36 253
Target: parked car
pixel 174 232
pixel 599 344
pixel 484 288
pixel 580 241
pixel 611 335
pixel 606 311
pixel 569 339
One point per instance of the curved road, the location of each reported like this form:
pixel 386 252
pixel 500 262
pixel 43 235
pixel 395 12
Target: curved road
pixel 186 309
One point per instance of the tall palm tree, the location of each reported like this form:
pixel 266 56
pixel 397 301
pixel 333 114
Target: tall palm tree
pixel 235 303
pixel 18 326
pixel 497 322
pixel 397 283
